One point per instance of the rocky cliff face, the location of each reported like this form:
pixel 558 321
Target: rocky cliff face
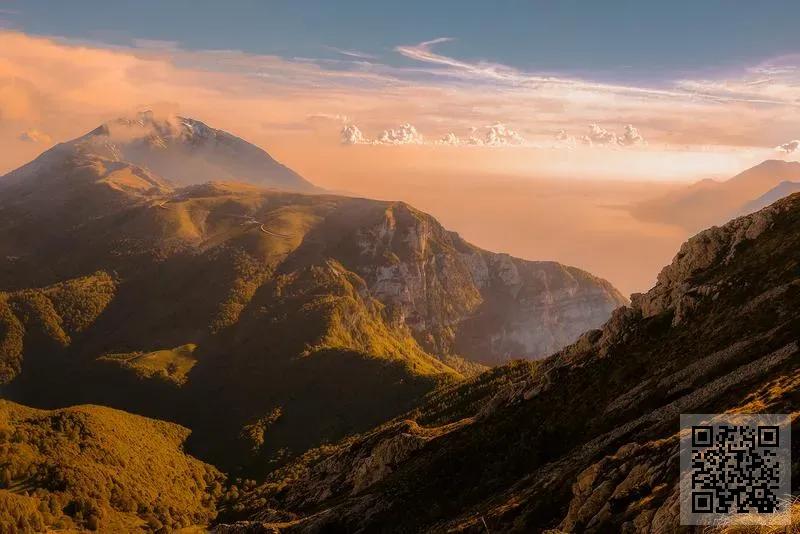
pixel 585 440
pixel 458 299
pixel 716 246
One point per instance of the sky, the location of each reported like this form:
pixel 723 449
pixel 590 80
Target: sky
pixel 515 122
pixel 653 38
pixel 673 90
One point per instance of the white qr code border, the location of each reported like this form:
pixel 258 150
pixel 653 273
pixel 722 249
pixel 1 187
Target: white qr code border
pixel 713 477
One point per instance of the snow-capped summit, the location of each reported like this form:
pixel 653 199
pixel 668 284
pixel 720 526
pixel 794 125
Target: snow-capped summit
pixel 165 127
pixel 188 151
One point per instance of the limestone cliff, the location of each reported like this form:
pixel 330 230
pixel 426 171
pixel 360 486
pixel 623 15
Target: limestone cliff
pixel 457 298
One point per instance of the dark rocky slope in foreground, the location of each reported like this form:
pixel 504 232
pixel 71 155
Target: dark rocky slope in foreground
pixel 586 440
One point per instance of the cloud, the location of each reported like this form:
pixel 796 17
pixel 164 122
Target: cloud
pixel 449 139
pixel 328 117
pixel 564 140
pixel 599 136
pixel 631 137
pixel 497 134
pixel 33 135
pixel 406 134
pixel 156 44
pixel 351 53
pixel 351 135
pixel 457 68
pixel 788 148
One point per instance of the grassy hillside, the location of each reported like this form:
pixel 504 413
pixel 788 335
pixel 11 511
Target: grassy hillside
pixel 95 468
pixel 170 364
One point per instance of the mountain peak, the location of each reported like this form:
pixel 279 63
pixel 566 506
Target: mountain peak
pixel 182 150
pixel 776 163
pixel 163 126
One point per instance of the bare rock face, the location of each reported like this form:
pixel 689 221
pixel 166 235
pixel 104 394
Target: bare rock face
pixel 459 299
pixel 359 465
pixel 717 245
pixel 383 457
pixel 610 491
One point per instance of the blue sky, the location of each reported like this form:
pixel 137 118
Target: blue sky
pixel 611 40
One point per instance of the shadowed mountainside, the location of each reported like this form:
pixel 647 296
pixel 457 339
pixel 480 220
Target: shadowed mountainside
pixel 587 439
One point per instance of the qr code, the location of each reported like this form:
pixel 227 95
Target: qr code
pixel 734 464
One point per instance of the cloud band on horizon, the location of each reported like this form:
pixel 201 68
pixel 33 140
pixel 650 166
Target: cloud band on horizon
pixel 61 85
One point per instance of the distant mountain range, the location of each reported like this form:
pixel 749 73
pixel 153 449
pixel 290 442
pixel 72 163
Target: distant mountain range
pixel 783 189
pixel 710 202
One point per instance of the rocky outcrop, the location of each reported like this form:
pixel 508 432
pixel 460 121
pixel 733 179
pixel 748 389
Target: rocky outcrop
pixel 715 246
pixel 613 490
pixel 358 464
pixel 383 458
pixel 459 299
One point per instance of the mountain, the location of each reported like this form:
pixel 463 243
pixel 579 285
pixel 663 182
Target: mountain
pixel 181 150
pixel 94 468
pixel 710 202
pixel 783 189
pixel 587 439
pixel 240 312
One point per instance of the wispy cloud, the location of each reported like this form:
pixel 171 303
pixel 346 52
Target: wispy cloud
pixel 33 135
pixel 351 53
pixel 335 117
pixel 773 82
pixel 482 70
pixel 156 44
